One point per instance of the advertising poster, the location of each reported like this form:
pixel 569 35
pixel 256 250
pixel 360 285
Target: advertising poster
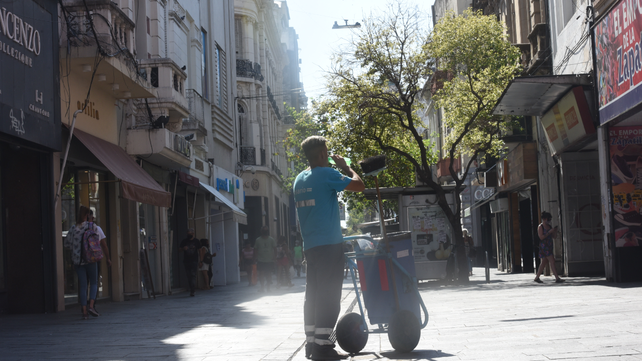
pixel 568 122
pixel 618 60
pixel 626 182
pixel 430 232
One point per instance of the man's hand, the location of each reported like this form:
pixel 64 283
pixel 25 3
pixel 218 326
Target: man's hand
pixel 340 163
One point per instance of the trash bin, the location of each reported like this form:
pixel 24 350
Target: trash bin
pixel 375 278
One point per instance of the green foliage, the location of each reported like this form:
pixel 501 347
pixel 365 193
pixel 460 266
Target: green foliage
pixel 372 103
pixel 303 126
pixel 480 62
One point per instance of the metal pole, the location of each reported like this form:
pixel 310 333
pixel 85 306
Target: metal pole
pixel 387 243
pixel 487 268
pixel 64 161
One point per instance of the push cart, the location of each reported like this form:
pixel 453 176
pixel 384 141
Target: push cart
pixel 390 295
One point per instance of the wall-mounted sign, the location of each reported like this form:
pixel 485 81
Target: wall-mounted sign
pixel 29 99
pixel 568 122
pixel 626 182
pixel 618 62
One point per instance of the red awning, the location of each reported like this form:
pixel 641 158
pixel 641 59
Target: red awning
pixel 135 183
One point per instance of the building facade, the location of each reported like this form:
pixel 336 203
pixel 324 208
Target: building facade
pixel 267 68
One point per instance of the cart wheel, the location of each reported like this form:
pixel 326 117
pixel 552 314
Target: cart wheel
pixel 404 331
pixel 350 336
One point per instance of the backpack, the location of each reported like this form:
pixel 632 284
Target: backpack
pixel 207 258
pixel 91 251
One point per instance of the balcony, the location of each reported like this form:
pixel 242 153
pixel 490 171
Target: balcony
pixel 248 155
pixel 169 81
pixel 276 169
pixel 246 69
pixel 198 108
pixel 443 169
pixel 118 73
pixel 160 146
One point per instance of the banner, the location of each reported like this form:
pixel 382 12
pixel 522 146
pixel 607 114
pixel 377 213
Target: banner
pixel 625 145
pixel 618 50
pixel 568 122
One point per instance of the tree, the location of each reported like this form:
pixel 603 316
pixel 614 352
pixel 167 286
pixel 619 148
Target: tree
pixel 303 126
pixel 375 88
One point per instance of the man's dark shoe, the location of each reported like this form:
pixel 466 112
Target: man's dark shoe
pixel 326 353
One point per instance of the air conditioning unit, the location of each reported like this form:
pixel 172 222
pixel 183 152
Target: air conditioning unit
pixel 499 205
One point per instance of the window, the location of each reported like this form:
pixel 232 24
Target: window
pixel 238 28
pixel 221 78
pixel 218 75
pixel 175 82
pixel 148 26
pixel 204 72
pixel 154 77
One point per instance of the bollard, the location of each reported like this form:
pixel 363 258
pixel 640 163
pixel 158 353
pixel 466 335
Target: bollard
pixel 487 268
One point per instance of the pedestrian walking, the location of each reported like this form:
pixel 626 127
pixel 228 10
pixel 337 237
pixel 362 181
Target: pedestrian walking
pixel 315 194
pixel 87 271
pixel 546 234
pixel 283 264
pixel 246 261
pixel 103 244
pixel 298 257
pixel 204 267
pixel 190 246
pixel 265 256
pixel 469 247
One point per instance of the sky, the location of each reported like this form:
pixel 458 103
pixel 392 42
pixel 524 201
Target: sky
pixel 313 22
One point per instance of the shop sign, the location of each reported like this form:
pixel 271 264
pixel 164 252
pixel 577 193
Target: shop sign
pixel 519 168
pixel 618 49
pixel 625 145
pixel 224 184
pixel 28 59
pixel 568 122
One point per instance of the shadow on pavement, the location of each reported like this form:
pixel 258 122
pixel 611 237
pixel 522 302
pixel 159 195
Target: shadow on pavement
pixel 136 330
pixel 416 355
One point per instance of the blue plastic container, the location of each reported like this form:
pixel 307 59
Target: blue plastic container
pixel 375 279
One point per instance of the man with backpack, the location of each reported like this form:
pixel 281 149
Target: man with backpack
pixel 190 246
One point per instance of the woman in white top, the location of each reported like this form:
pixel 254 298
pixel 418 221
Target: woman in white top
pixel 86 271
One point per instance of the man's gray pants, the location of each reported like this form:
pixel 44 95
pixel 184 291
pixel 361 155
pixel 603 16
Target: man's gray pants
pixel 324 281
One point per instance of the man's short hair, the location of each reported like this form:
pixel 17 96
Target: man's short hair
pixel 312 146
pixel 190 230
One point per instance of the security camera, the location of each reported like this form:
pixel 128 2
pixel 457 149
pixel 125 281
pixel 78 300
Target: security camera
pixel 253 170
pixel 189 137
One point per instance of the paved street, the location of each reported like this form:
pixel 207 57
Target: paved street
pixel 512 318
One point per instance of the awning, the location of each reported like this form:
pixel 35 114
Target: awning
pixel 238 214
pixel 136 184
pixel 534 95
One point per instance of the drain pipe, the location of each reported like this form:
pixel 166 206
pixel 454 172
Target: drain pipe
pixel 64 162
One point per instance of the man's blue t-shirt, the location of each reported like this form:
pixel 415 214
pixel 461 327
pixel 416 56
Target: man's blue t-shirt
pixel 315 195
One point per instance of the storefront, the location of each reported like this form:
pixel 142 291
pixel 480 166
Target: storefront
pixel 29 134
pixel 568 184
pixel 618 68
pixel 103 177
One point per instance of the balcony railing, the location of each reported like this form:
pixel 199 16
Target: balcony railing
pixel 246 69
pixel 273 103
pixel 248 155
pixel 276 169
pixel 113 28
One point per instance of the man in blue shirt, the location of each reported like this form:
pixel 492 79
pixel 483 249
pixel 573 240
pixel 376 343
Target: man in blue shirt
pixel 315 193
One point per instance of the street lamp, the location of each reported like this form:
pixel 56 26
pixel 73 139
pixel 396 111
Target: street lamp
pixel 346 26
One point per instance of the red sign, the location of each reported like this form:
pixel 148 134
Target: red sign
pixel 618 50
